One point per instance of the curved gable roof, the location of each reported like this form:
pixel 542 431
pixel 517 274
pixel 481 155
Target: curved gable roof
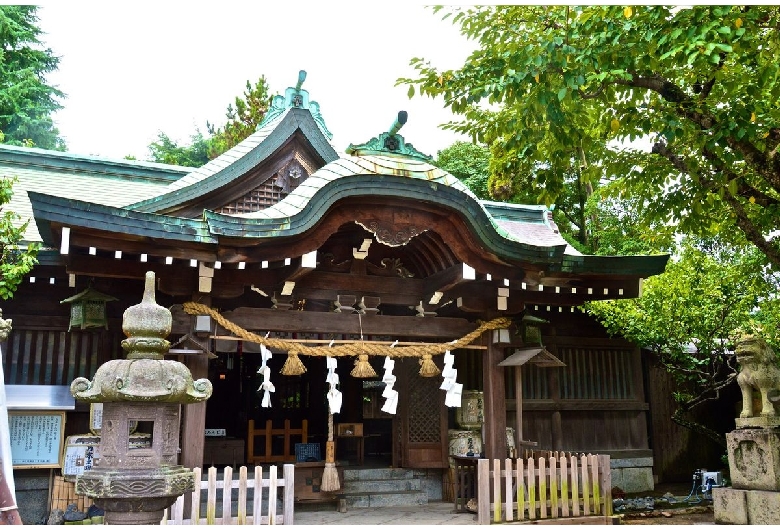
pixel 235 162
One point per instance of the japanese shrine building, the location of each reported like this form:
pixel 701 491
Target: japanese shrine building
pixel 285 237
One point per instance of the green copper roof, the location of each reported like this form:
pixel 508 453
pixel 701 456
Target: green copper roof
pixel 242 158
pixel 104 180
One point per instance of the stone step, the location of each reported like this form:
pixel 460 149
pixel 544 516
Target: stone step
pixel 377 474
pixel 381 486
pixel 377 500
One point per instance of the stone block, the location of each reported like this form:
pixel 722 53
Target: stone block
pixel 637 479
pixel 616 478
pixel 730 506
pixel 754 459
pixel 617 463
pixel 763 507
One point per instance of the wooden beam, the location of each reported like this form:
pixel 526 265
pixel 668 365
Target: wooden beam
pixel 263 320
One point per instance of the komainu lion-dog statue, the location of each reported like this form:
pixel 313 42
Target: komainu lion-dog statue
pixel 758 370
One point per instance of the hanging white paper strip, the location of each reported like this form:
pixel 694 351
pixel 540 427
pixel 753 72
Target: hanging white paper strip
pixel 449 384
pixel 391 396
pixel 333 396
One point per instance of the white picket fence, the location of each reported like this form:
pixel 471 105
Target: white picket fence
pixel 260 514
pixel 555 489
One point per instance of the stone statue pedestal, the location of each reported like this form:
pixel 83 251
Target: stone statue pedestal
pixel 754 459
pixel 754 463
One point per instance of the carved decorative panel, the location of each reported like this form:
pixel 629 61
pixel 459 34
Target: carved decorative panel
pixel 391 235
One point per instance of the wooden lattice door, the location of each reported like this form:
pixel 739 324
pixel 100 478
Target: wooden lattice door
pixel 421 422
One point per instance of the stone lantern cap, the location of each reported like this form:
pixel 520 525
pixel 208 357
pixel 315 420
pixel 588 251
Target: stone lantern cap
pixel 144 376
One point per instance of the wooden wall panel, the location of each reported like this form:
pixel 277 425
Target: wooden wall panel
pixel 57 357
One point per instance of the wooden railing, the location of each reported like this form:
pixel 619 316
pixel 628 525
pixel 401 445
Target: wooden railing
pixel 260 514
pixel 568 488
pixel 268 433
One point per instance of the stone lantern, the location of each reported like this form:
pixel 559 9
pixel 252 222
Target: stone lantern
pixel 133 484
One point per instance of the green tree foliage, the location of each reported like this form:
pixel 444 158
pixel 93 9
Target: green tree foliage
pixel 707 298
pixel 167 151
pixel 549 85
pixel 15 261
pixel 468 162
pixel 242 121
pixel 26 100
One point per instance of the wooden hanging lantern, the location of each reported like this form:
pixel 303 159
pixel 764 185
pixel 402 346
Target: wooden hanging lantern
pixel 88 309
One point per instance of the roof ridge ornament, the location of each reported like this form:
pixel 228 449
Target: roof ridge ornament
pixel 295 97
pixel 389 142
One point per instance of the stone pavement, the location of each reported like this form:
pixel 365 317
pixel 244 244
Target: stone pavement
pixel 433 513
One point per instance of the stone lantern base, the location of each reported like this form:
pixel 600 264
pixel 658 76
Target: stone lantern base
pixel 135 496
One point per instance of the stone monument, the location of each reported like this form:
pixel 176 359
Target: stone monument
pixel 134 484
pixel 754 447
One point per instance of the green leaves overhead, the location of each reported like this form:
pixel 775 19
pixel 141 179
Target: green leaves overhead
pixel 15 261
pixel 26 100
pixel 242 120
pixel 675 106
pixel 690 316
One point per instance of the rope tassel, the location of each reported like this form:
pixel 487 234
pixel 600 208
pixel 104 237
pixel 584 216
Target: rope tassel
pixel 362 367
pixel 293 365
pixel 427 367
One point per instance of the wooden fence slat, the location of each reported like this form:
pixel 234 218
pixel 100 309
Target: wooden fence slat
pixel 289 494
pixel 585 485
pixel 594 481
pixel 564 488
pixel 177 511
pixel 497 490
pixel 211 497
pixel 520 491
pixel 483 491
pixel 272 485
pixel 257 496
pixel 195 504
pixel 606 483
pixel 575 488
pixel 242 495
pixel 227 496
pixel 542 489
pixel 531 489
pixel 554 487
pixel 509 509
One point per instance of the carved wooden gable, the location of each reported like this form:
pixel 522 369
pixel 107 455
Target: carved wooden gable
pixel 275 186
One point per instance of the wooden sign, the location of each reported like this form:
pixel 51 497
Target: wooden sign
pixel 36 438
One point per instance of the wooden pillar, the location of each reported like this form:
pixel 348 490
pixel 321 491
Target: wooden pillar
pixel 193 428
pixel 556 424
pixel 494 444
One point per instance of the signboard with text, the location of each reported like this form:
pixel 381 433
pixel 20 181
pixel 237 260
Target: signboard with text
pixel 36 438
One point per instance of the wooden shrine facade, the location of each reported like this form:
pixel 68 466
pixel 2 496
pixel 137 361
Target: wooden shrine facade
pixel 286 238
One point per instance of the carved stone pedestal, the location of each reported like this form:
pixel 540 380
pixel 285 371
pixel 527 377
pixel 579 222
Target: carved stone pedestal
pixel 754 463
pixel 136 496
pixel 754 459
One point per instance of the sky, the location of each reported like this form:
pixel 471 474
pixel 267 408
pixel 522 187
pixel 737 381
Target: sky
pixel 132 69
